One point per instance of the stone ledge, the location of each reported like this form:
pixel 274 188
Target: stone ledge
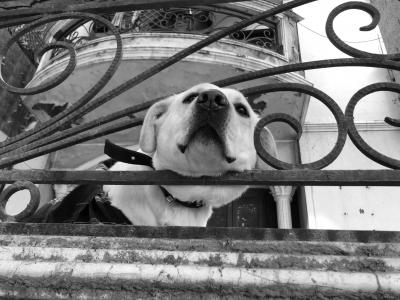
pixel 209 233
pixel 50 261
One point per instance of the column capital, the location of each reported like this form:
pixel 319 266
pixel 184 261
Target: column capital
pixel 283 191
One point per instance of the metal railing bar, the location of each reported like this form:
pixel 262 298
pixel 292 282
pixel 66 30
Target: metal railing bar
pixel 127 112
pixel 73 140
pixel 313 65
pixel 256 177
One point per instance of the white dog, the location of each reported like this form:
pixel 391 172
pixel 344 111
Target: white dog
pixel 204 131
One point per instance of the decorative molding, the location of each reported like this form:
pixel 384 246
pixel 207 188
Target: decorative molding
pixel 361 126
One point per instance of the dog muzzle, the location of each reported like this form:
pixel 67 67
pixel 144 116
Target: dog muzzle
pixel 210 121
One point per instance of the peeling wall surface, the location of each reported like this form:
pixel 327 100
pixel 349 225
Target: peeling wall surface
pixel 121 262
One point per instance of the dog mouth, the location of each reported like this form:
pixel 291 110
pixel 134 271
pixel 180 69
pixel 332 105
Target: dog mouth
pixel 207 135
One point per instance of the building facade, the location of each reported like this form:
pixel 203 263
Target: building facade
pixel 150 36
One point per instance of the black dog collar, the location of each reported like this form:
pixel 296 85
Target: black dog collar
pixel 118 153
pixel 122 154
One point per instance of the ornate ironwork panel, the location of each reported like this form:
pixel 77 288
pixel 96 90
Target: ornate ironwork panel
pixel 58 132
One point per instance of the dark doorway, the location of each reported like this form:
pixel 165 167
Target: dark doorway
pixel 256 208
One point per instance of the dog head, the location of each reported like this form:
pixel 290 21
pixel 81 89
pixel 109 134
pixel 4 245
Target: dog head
pixel 204 131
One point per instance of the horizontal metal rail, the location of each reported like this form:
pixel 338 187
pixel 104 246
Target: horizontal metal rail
pixel 258 177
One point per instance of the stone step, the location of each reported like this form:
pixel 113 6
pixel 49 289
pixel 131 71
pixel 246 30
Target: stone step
pixel 99 261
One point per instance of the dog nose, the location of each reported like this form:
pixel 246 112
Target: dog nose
pixel 212 100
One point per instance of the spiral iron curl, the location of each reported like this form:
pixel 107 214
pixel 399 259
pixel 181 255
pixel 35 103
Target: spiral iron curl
pixel 28 210
pixel 321 96
pixel 356 138
pixel 76 110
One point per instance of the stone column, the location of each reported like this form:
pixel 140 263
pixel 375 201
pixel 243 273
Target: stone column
pixel 283 196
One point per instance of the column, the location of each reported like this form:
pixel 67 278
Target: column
pixel 283 197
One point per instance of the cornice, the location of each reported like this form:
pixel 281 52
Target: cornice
pixel 361 126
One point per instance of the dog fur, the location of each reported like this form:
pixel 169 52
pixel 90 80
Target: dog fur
pixel 180 136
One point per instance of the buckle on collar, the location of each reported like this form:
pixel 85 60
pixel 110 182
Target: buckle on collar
pixel 172 199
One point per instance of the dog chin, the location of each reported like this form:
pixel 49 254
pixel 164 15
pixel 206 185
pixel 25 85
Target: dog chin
pixel 211 138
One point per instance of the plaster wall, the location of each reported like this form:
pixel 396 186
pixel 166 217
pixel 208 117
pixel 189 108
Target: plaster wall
pixel 364 208
pixel 358 208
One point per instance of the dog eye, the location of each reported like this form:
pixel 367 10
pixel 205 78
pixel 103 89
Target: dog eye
pixel 242 110
pixel 190 98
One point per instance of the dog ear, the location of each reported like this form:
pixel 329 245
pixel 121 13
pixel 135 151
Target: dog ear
pixel 269 144
pixel 147 140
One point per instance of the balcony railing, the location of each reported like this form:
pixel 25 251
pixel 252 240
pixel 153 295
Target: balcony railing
pixel 173 20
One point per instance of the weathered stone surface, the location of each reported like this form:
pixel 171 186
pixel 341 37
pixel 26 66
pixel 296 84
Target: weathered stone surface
pixel 125 261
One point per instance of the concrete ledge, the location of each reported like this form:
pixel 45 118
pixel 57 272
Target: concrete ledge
pixel 107 261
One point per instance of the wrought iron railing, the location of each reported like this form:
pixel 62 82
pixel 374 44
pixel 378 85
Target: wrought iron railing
pixel 57 134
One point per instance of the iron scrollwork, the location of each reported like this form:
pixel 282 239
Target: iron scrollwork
pixel 32 206
pixel 57 133
pixel 325 99
pixel 356 138
pixel 345 125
